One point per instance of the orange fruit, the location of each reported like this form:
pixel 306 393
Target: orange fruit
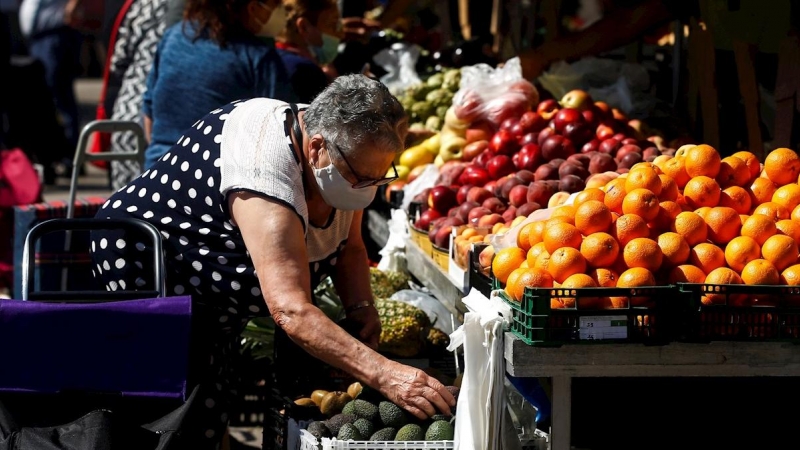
pixel 787 196
pixel 643 177
pixel 722 275
pixel 674 248
pixel 759 227
pixel 782 166
pixel 524 265
pixel 751 161
pixel 675 168
pixel 795 215
pixel 577 281
pixel 554 220
pixel 564 262
pixel 772 210
pixel 567 211
pixel 703 160
pixel 669 189
pixel 683 149
pixel 634 277
pixel 723 224
pixel 740 251
pixel 760 272
pixel 615 194
pixel 644 253
pixel 736 197
pixel 702 191
pixel 789 228
pixel 511 281
pixel 530 277
pixel 646 164
pixel 686 273
pixel 506 261
pixel 761 191
pixel 743 218
pixel 702 211
pixel 667 212
pixel 535 232
pixel 542 261
pixel 523 236
pixel 691 226
pixel 733 172
pixel 604 277
pixel 592 216
pixel 600 249
pixel 561 235
pixel 628 227
pixel 780 250
pixel 588 194
pixel 791 275
pixel 641 202
pixel 534 252
pixel 707 257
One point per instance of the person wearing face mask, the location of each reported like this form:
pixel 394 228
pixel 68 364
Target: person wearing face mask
pixel 309 41
pixel 222 51
pixel 257 202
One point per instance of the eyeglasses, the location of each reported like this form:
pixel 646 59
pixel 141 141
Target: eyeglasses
pixel 364 181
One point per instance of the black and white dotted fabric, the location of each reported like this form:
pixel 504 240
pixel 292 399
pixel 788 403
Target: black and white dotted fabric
pixel 205 257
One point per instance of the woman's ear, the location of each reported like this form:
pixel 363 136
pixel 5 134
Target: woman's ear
pixel 315 144
pixel 303 26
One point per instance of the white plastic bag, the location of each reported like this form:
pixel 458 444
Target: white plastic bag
pixel 393 254
pixel 483 419
pixel 440 316
pixel 493 95
pixel 400 62
pixel 425 180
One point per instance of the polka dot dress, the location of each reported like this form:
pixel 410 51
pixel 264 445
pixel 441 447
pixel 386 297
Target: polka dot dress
pixel 205 258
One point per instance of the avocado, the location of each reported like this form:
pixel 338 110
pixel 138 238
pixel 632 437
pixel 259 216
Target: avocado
pixel 384 434
pixel 349 408
pixel 364 427
pixel 365 410
pixel 336 422
pixel 391 415
pixel 410 432
pixel 349 432
pixel 440 430
pixel 319 430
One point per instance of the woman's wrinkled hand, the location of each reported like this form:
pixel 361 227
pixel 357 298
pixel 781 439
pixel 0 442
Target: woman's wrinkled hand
pixel 416 392
pixel 370 323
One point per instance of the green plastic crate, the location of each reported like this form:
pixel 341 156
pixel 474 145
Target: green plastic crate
pixel 776 318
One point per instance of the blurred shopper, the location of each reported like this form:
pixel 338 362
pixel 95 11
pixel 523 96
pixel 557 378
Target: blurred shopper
pixel 310 40
pixel 222 51
pixel 47 26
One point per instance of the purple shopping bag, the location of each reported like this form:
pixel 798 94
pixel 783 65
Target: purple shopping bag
pixel 130 348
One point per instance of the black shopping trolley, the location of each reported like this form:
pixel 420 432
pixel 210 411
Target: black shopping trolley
pixel 94 369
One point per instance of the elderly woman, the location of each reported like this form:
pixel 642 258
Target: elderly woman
pixel 257 202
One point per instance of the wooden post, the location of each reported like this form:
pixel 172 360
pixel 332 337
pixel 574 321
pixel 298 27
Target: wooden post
pixel 702 70
pixel 748 89
pixel 463 19
pixel 787 91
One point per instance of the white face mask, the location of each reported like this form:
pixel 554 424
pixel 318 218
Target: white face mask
pixel 340 193
pixel 275 24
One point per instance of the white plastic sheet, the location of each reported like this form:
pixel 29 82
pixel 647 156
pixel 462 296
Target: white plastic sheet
pixel 393 253
pixel 424 181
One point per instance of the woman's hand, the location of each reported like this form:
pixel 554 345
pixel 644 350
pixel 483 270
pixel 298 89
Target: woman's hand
pixel 370 325
pixel 414 391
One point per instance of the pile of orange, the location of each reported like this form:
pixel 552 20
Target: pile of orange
pixel 694 217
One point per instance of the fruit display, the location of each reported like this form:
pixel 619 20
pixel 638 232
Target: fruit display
pixel 426 103
pixel 693 217
pixel 407 331
pixel 533 161
pixel 362 414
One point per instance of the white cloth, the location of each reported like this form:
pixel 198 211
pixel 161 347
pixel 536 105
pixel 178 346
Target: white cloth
pixel 36 16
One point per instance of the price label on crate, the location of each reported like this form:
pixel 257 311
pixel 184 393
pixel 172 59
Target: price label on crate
pixel 603 327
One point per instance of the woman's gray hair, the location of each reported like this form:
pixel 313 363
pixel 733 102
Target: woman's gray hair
pixel 354 111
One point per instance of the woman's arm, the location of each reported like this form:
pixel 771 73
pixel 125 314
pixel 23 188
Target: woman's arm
pixel 274 237
pixel 351 279
pixel 148 128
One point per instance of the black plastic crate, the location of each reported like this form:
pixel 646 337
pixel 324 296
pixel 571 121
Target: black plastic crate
pixel 478 280
pixel 536 323
pixel 739 312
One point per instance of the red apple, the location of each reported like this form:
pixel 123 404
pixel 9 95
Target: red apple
pixel 576 99
pixel 490 220
pixel 578 132
pixel 629 159
pixel 544 134
pixel 528 208
pixel 442 198
pixel 509 123
pixel 483 158
pixel 491 186
pixel 479 131
pixel 528 158
pixel 580 158
pixel 478 194
pixel 540 192
pixel 464 209
pixel 500 166
pixel 591 117
pixel 494 205
pixel 609 146
pixel 529 138
pixel 566 116
pixel 547 108
pixel 434 227
pixel 450 172
pixel 503 143
pixel 517 131
pixel 625 149
pixel 591 146
pixel 620 136
pixel 557 147
pixel 604 132
pixel 452 212
pixel 474 175
pixel 510 213
pixel 573 168
pixel 571 183
pixel 477 213
pixel 469 106
pixel 602 162
pixel 526 176
pixel 532 122
pixel 473 149
pixel 546 172
pixel 507 185
pixel 461 194
pixel 650 151
pixel 556 162
pixel 424 221
pixel 518 195
pixel 629 141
